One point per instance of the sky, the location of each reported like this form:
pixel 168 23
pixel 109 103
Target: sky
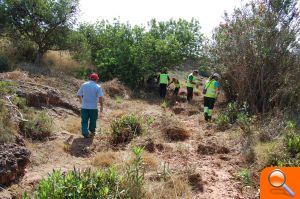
pixel 138 12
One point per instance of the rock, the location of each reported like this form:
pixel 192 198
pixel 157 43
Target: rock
pixel 13 161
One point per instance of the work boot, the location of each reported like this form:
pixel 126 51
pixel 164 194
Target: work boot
pixel 206 116
pixel 209 118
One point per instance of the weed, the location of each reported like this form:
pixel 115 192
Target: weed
pixel 164 104
pixel 245 176
pixel 135 175
pixel 6 126
pixel 125 128
pixel 119 99
pixel 37 128
pixel 222 121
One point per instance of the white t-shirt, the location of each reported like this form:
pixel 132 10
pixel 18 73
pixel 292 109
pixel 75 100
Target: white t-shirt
pixel 90 92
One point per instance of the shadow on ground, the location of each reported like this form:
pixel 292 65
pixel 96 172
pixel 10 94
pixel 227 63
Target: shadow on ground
pixel 80 147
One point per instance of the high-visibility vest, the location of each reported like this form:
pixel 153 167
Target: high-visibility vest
pixel 210 89
pixel 188 84
pixel 163 78
pixel 177 85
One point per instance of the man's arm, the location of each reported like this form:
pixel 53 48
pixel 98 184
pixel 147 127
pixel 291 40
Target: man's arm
pixel 80 99
pixel 101 104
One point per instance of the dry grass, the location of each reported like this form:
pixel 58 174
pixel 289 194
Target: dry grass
pixel 149 161
pixel 60 61
pixel 175 133
pixel 115 88
pixel 105 159
pixel 174 187
pixel 71 124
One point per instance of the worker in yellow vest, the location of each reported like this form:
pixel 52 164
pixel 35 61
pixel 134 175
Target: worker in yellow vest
pixel 177 86
pixel 211 92
pixel 190 84
pixel 163 83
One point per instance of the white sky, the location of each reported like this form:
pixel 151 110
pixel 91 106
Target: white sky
pixel 208 12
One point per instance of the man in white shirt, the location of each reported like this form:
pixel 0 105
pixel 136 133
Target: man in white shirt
pixel 90 94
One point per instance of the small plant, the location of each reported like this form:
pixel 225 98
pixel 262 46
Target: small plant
pixel 125 128
pixel 119 99
pixel 245 176
pixel 232 112
pixel 6 126
pixel 39 127
pixel 292 140
pixel 164 104
pixel 243 120
pixel 135 175
pixel 222 121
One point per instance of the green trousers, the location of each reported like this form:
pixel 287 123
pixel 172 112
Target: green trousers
pixel 88 121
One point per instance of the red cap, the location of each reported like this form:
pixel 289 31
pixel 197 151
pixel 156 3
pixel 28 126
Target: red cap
pixel 94 76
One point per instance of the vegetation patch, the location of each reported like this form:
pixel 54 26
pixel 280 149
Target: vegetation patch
pixel 39 127
pixel 125 128
pixel 105 159
pixel 195 180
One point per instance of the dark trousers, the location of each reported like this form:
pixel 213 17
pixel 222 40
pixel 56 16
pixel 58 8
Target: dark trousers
pixel 189 93
pixel 162 90
pixel 176 91
pixel 209 104
pixel 88 121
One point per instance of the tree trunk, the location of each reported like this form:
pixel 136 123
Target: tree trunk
pixel 39 56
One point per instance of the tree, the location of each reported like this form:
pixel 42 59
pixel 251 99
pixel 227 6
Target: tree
pixel 259 49
pixel 45 22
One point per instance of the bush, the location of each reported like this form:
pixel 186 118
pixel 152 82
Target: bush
pixel 222 121
pixel 292 140
pixel 6 126
pixel 4 66
pixel 77 184
pixel 39 127
pixel 124 129
pixel 255 45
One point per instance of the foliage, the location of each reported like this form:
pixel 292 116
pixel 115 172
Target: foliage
pixel 135 175
pixel 6 126
pixel 39 127
pixel 7 88
pixel 255 44
pixel 81 184
pixel 245 176
pixel 292 141
pixel 44 22
pixel 132 54
pixel 4 66
pixel 125 128
pixel 222 121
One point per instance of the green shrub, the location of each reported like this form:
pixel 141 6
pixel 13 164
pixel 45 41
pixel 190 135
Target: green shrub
pixel 77 184
pixel 222 121
pixel 4 66
pixel 39 127
pixel 243 120
pixel 124 129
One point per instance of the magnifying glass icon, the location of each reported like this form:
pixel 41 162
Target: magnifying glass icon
pixel 277 179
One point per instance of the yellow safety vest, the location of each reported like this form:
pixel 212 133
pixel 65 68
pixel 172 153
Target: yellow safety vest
pixel 163 78
pixel 188 84
pixel 211 90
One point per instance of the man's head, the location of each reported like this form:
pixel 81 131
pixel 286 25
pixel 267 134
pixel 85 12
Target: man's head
pixel 216 76
pixel 94 77
pixel 195 72
pixel 165 70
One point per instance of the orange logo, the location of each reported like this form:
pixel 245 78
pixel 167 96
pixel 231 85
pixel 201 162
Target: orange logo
pixel 280 183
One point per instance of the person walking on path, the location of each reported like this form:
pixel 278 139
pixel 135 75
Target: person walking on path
pixel 190 84
pixel 177 86
pixel 211 92
pixel 90 94
pixel 163 83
